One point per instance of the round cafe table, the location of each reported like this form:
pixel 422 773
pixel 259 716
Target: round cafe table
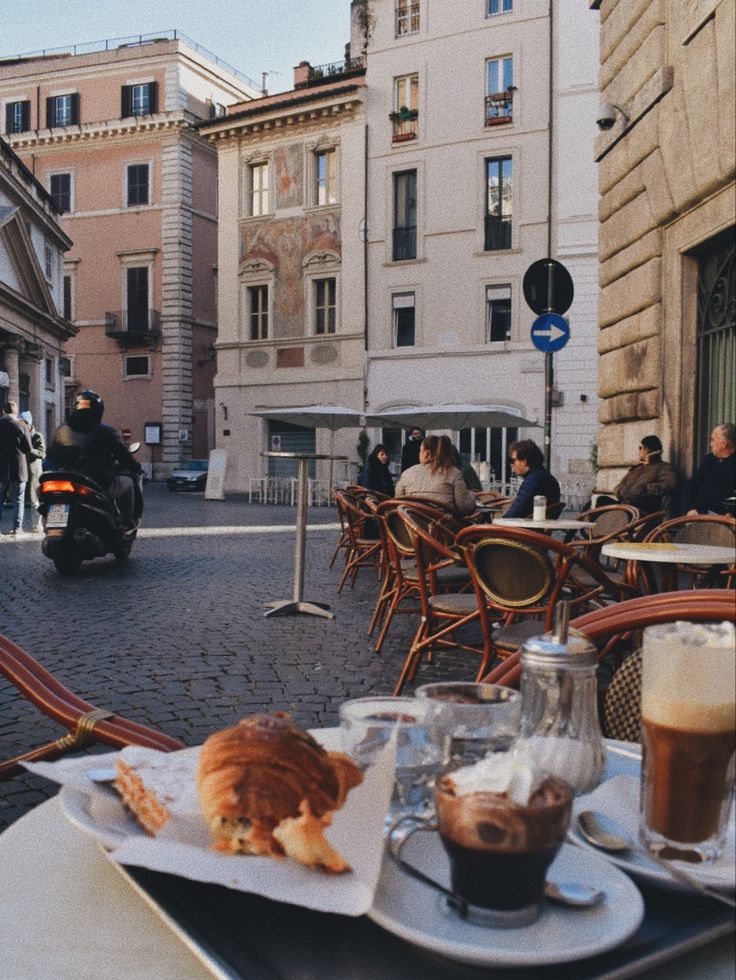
pixel 563 524
pixel 297 603
pixel 669 554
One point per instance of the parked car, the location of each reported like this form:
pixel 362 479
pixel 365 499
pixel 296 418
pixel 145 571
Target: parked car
pixel 189 475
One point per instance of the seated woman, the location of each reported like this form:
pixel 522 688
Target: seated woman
pixel 645 483
pixel 376 475
pixel 437 478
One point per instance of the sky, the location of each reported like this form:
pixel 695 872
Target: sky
pixel 254 36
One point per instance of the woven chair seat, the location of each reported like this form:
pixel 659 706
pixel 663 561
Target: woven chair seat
pixel 455 603
pixel 512 636
pixel 453 574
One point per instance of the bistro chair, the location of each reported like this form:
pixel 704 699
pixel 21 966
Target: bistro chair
pixel 85 723
pixel 706 529
pixel 616 632
pixel 361 551
pixel 399 581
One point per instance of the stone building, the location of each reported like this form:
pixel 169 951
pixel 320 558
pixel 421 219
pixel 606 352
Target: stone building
pixel 32 330
pixel 666 162
pixel 109 130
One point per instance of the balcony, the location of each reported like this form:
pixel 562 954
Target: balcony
pixel 309 75
pixel 405 243
pixel 131 327
pixel 405 125
pixel 497 233
pixel 499 108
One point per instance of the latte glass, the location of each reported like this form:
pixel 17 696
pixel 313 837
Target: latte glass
pixel 688 714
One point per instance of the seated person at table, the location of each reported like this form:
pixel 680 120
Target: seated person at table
pixel 645 483
pixel 472 480
pixel 527 461
pixel 713 482
pixel 376 475
pixel 436 477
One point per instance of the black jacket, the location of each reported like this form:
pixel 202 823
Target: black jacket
pixel 15 444
pixel 410 453
pixel 536 482
pixel 709 486
pixel 92 453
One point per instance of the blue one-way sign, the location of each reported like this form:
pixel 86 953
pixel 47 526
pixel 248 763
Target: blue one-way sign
pixel 550 332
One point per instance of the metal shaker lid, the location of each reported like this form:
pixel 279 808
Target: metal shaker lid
pixel 550 650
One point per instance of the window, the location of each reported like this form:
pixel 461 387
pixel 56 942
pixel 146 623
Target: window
pixel 258 188
pixel 62 110
pixel 405 216
pixel 498 313
pixel 49 372
pixel 136 296
pixel 138 100
pixel 60 189
pixel 499 90
pixel 48 260
pixel 406 108
pixel 258 312
pixel 325 170
pixel 404 319
pixel 325 305
pixel 136 366
pixel 17 117
pixel 499 204
pixel 67 308
pixel 407 17
pixel 500 7
pixel 138 184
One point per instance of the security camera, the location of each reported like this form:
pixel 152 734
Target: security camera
pixel 607 115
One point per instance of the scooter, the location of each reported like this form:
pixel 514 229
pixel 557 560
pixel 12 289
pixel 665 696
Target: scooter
pixel 80 521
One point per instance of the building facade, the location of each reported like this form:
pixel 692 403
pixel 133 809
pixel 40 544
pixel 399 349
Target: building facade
pixel 33 333
pixel 666 161
pixel 291 297
pixel 109 130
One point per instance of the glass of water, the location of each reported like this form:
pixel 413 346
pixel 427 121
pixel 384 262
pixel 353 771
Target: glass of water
pixel 366 725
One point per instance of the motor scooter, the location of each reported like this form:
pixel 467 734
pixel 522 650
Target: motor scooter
pixel 81 522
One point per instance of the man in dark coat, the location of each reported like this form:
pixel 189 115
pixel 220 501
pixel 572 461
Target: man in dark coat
pixel 15 443
pixel 713 482
pixel 527 461
pixel 410 450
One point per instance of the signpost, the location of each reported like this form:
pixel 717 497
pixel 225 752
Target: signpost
pixel 549 291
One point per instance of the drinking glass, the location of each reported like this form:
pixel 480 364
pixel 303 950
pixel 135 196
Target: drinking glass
pixel 469 720
pixel 367 724
pixel 688 711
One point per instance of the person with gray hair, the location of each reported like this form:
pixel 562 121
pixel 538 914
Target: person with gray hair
pixel 708 489
pixel 15 444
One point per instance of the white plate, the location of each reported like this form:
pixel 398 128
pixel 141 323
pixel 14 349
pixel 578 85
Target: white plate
pixel 415 912
pixel 624 759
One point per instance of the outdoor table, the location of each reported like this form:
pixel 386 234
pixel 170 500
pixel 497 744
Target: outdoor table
pixel 69 912
pixel 563 524
pixel 297 604
pixel 670 554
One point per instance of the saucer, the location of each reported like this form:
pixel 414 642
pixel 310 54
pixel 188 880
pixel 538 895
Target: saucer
pixel 415 912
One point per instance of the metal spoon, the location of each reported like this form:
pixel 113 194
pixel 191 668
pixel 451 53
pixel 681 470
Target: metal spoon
pixel 101 775
pixel 573 893
pixel 603 832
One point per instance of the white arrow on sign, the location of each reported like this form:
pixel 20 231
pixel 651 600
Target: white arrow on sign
pixel 553 333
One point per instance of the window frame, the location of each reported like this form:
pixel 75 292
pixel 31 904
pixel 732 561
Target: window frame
pixel 67 295
pixel 261 194
pixel 51 176
pixel 502 7
pixel 251 288
pixel 501 159
pixel 397 295
pixel 406 12
pixel 23 125
pixel 48 261
pixel 400 202
pixel 129 165
pixel 127 376
pixel 70 115
pixel 315 283
pixel 331 181
pixel 500 288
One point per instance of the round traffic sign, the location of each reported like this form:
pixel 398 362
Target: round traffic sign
pixel 548 287
pixel 126 434
pixel 550 332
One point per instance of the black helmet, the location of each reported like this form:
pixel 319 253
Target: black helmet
pixel 87 412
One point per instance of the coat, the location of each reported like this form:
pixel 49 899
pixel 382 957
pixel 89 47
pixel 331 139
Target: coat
pixel 15 444
pixel 445 486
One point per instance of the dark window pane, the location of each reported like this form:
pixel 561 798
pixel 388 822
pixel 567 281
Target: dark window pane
pixel 136 366
pixel 499 204
pixel 405 216
pixel 67 313
pixel 499 316
pixel 60 188
pixel 137 278
pixel 138 184
pixel 405 326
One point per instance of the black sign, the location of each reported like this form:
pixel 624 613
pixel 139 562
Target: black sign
pixel 548 287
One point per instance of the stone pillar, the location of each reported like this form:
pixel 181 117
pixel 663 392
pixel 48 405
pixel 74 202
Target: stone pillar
pixel 10 365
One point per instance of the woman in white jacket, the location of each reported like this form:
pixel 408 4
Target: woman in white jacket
pixel 437 478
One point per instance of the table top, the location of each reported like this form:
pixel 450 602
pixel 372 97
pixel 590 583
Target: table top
pixel 669 552
pixel 302 455
pixel 563 524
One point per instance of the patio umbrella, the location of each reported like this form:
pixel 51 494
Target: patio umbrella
pixel 453 417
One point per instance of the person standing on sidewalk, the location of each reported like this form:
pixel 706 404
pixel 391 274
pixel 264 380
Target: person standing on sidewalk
pixel 35 468
pixel 15 445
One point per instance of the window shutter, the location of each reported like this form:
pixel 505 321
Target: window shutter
pixel 153 97
pixel 50 113
pixel 75 109
pixel 9 117
pixel 125 101
pixel 26 114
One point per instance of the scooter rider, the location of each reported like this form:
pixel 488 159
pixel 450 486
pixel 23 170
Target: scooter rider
pixel 89 446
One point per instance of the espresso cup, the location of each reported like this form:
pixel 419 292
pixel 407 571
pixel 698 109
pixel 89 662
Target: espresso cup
pixel 688 713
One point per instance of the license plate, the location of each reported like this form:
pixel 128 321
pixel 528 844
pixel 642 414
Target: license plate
pixel 58 515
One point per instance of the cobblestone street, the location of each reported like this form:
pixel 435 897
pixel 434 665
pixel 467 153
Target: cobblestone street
pixel 176 637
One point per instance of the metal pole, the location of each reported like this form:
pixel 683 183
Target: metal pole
pixel 301 529
pixel 549 380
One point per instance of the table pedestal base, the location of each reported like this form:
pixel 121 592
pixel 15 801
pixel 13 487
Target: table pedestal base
pixel 284 607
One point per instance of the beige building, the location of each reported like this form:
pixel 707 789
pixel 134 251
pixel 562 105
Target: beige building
pixel 109 130
pixel 667 158
pixel 481 120
pixel 291 297
pixel 32 331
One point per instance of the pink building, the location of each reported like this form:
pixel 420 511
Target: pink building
pixel 109 130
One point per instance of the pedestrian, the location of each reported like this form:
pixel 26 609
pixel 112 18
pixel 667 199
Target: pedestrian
pixel 35 467
pixel 376 475
pixel 436 477
pixel 410 450
pixel 15 445
pixel 713 482
pixel 527 461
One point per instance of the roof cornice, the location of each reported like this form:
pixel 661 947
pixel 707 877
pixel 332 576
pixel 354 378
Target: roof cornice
pixel 110 128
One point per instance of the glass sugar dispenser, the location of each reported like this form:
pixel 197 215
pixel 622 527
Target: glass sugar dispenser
pixel 559 713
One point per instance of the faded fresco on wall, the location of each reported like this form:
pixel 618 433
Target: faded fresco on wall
pixel 289 168
pixel 284 244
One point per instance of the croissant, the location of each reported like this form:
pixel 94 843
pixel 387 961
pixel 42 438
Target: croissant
pixel 266 787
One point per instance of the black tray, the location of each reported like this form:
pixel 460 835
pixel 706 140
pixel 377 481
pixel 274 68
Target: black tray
pixel 245 936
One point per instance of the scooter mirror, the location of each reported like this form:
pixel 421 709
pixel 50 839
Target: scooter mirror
pixel 134 447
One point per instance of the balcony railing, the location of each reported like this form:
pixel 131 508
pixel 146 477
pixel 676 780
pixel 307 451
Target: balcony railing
pixel 325 73
pixel 133 326
pixel 499 108
pixel 405 243
pixel 497 233
pixel 405 125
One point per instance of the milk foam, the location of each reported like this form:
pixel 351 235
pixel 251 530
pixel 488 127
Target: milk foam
pixel 509 773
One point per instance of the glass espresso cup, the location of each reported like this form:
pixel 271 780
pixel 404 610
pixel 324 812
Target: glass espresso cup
pixel 688 713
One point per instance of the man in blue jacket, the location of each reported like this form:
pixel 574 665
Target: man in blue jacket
pixel 527 461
